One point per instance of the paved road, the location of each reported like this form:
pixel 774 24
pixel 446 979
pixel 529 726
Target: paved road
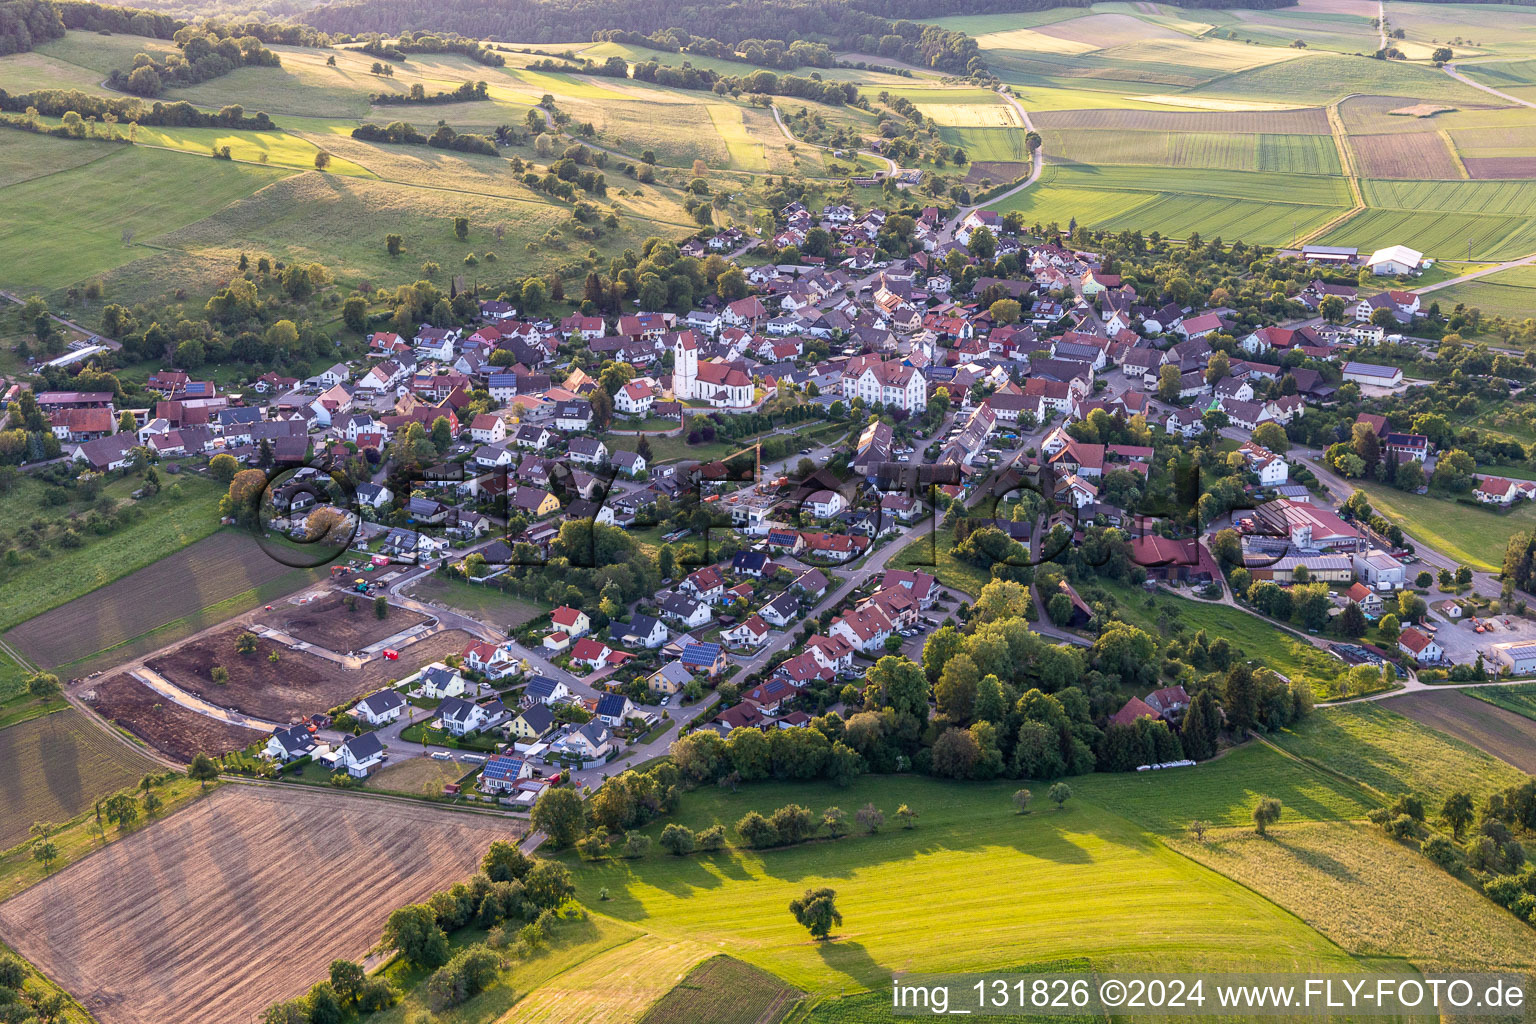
pixel 1474 275
pixel 1450 69
pixel 1034 174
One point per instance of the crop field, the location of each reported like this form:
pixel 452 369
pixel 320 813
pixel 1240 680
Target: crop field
pixel 1412 155
pixel 65 242
pixel 615 987
pixel 296 685
pixel 328 622
pixel 1515 29
pixel 1371 115
pixel 56 767
pixel 173 730
pixel 180 584
pixel 1519 699
pixel 1326 77
pixel 158 928
pixel 1034 879
pixel 989 144
pixel 723 990
pixel 1302 121
pixel 1440 234
pixel 1289 154
pixel 1394 754
pixel 1508 140
pixel 1488 167
pixel 1369 893
pixel 1506 735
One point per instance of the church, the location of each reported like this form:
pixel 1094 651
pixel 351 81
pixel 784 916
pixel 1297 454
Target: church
pixel 720 384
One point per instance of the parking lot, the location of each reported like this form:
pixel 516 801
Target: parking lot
pixel 1463 643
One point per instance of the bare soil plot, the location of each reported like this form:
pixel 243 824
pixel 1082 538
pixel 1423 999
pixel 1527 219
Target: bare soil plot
pixel 329 623
pixel 298 683
pixel 1504 734
pixel 1300 121
pixel 242 899
pixel 165 725
pixel 996 171
pixel 1413 156
pixel 1485 167
pixel 201 575
pixel 54 767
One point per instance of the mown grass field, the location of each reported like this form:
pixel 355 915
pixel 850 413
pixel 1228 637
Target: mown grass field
pixel 614 987
pixel 1393 754
pixel 57 766
pixel 1029 883
pixel 1509 293
pixel 1289 154
pixel 723 990
pixel 165 525
pixel 1471 535
pixel 69 225
pixel 1372 895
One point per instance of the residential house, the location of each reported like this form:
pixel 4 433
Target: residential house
pixel 532 722
pixel 502 772
pixel 439 682
pixel 360 755
pixel 380 708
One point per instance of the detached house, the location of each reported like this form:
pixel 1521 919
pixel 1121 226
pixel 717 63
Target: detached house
pixel 380 708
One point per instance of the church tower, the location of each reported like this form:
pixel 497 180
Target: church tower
pixel 685 366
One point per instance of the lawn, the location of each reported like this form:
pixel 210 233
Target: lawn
pixel 1029 883
pixel 483 602
pixel 1370 894
pixel 54 576
pixel 146 192
pixel 1468 533
pixel 931 553
pixel 1392 754
pixel 1259 639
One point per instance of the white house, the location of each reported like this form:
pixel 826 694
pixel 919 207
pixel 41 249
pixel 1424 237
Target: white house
pixel 573 622
pixel 587 742
pixel 1420 647
pixel 380 708
pixel 440 682
pixel 290 742
pixel 360 755
pixel 462 717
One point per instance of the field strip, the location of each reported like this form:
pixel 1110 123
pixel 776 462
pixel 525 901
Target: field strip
pixel 1450 69
pixel 1347 164
pixel 1450 145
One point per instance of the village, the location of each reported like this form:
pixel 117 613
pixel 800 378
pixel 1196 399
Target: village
pixel 914 408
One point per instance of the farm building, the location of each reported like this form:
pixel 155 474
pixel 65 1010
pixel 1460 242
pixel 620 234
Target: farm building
pixel 1519 658
pixel 1370 373
pixel 1395 259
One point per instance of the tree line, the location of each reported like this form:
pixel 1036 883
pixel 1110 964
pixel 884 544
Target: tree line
pixel 58 102
pixel 443 137
pixel 465 92
pixel 428 43
pixel 765 32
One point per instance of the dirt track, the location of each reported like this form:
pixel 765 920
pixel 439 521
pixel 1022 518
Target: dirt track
pixel 240 900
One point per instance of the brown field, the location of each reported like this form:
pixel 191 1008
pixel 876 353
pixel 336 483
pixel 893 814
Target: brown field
pixel 184 584
pixel 327 622
pixel 1500 166
pixel 1414 156
pixel 998 171
pixel 242 899
pixel 55 767
pixel 1504 734
pixel 1422 110
pixel 1304 121
pixel 163 724
pixel 298 684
